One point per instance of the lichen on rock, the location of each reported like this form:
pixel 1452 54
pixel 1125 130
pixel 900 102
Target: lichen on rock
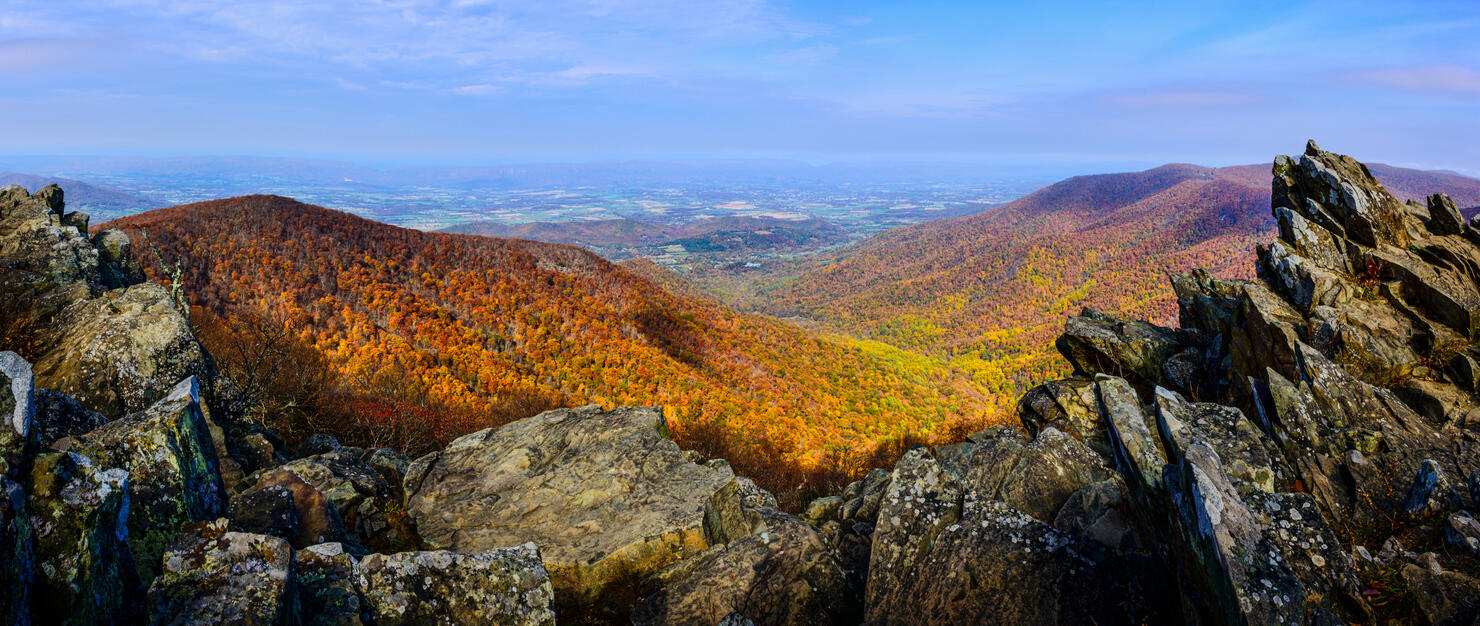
pixel 171 462
pixel 499 586
pixel 212 575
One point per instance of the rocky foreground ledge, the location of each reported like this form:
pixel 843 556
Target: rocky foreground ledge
pixel 1302 450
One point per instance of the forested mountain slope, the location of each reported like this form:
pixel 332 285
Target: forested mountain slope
pixel 503 326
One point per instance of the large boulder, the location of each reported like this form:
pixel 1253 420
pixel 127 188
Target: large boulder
pixel 941 555
pixel 1037 477
pixel 1068 405
pixel 602 493
pixel 120 353
pixel 285 505
pixel 171 462
pixel 364 497
pixel 80 517
pixel 767 566
pixel 215 576
pixel 117 265
pixel 1095 343
pixel 1033 476
pixel 500 586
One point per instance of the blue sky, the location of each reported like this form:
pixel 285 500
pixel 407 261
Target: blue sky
pixel 463 81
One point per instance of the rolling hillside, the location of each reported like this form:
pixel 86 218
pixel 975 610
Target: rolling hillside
pixel 990 291
pixel 488 324
pixel 98 201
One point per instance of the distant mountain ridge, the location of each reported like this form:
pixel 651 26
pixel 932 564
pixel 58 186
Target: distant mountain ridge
pixel 98 201
pixel 990 290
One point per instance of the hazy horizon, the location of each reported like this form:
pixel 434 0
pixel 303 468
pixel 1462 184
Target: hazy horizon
pixel 1042 166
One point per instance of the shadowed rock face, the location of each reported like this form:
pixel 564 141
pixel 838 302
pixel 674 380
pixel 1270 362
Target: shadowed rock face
pixel 59 415
pixel 173 474
pixel 362 496
pixel 80 518
pixel 611 502
pixel 325 577
pixel 945 550
pixel 17 556
pixel 764 565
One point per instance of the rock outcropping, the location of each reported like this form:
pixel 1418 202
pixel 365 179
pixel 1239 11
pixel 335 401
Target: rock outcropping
pixel 118 477
pixel 1225 471
pixel 1345 400
pixel 1235 470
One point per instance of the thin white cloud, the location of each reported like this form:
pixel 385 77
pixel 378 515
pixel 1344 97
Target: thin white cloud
pixel 1183 98
pixel 885 40
pixel 917 102
pixel 1449 79
pixel 808 55
pixel 587 71
pixel 477 90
